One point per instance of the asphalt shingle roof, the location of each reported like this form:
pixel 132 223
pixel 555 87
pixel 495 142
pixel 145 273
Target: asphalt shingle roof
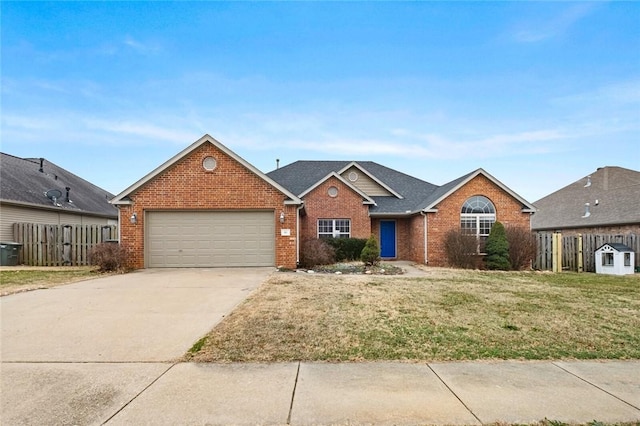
pixel 301 175
pixel 613 197
pixel 22 182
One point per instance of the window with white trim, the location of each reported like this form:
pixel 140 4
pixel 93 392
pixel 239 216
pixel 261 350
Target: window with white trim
pixel 334 228
pixel 477 216
pixel 607 259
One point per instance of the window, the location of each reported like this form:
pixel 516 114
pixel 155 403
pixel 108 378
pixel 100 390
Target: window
pixel 334 228
pixel 627 259
pixel 477 216
pixel 607 259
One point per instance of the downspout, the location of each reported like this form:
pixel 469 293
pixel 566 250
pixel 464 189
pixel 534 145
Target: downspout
pixel 298 209
pixel 426 259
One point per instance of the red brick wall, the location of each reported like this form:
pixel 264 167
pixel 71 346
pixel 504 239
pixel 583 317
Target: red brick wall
pixel 346 205
pixel 186 185
pixel 409 237
pixel 508 211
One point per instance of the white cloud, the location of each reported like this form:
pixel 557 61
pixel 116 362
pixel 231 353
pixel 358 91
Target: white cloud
pixel 140 47
pixel 533 32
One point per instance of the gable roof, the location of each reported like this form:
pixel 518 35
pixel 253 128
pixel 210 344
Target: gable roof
pixel 449 188
pixel 407 191
pixel 612 194
pixel 122 198
pixel 410 195
pixel 22 183
pixel 623 248
pixel 367 199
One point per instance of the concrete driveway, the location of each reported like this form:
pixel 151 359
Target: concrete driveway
pixel 77 354
pixel 148 315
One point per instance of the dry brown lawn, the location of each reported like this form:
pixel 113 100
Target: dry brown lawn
pixel 446 315
pixel 25 278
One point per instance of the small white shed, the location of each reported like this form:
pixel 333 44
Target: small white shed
pixel 615 259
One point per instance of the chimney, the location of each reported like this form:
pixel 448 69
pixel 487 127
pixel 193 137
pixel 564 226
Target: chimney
pixel 41 164
pixel 277 163
pixel 66 198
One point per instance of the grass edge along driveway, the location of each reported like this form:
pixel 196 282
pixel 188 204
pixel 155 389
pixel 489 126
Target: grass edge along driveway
pixel 447 315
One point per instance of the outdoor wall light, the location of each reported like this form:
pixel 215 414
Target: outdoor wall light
pixel 281 217
pixel 134 218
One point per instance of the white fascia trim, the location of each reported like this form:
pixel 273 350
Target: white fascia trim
pixel 375 179
pixel 367 199
pixel 118 199
pixel 57 209
pixel 528 206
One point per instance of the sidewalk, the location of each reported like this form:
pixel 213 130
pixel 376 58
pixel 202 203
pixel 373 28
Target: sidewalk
pixel 456 393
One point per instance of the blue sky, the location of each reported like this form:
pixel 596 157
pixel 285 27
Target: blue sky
pixel 539 94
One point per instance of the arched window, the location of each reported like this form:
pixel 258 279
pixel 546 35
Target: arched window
pixel 477 216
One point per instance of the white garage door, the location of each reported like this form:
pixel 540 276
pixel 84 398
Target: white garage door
pixel 210 239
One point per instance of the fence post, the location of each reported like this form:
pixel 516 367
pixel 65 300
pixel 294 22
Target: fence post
pixel 557 252
pixel 579 254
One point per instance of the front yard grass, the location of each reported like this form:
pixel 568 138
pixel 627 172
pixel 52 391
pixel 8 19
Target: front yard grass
pixel 24 279
pixel 446 315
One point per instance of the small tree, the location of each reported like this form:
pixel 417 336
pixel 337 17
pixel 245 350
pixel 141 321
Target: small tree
pixel 497 248
pixel 371 252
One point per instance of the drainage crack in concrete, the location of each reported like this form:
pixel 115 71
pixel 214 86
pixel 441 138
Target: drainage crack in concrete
pixel 293 394
pixel 455 394
pixel 596 386
pixel 138 394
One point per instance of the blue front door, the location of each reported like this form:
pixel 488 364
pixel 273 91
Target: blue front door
pixel 388 238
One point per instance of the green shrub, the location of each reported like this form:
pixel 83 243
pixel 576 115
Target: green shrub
pixel 371 252
pixel 347 248
pixel 107 256
pixel 316 252
pixel 461 249
pixel 497 249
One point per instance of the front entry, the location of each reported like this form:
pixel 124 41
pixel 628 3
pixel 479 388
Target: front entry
pixel 388 238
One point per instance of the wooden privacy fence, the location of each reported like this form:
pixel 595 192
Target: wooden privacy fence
pixel 59 245
pixel 577 252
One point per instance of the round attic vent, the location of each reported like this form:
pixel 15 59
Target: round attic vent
pixel 353 176
pixel 209 164
pixel 333 191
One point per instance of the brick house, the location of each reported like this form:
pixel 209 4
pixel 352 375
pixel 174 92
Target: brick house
pixel 604 202
pixel 207 207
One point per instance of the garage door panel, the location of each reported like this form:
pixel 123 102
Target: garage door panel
pixel 210 239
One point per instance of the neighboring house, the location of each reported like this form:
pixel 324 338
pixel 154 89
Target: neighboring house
pixel 25 184
pixel 605 202
pixel 207 207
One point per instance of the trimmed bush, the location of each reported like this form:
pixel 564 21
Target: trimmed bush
pixel 497 249
pixel 316 252
pixel 522 247
pixel 347 248
pixel 461 249
pixel 371 252
pixel 108 257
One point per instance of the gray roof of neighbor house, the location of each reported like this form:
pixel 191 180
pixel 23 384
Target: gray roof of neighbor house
pixel 613 195
pixel 416 195
pixel 22 183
